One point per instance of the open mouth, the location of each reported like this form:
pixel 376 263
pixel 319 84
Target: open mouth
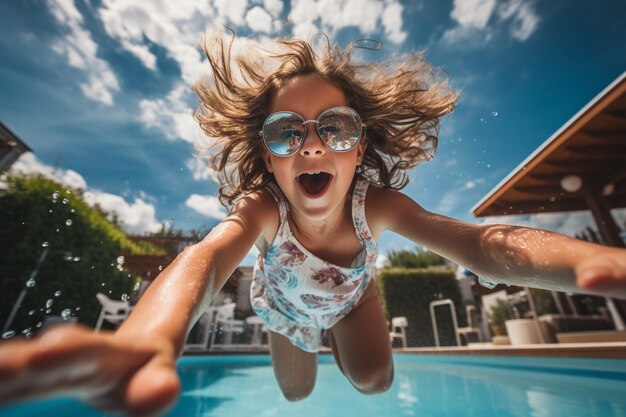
pixel 314 184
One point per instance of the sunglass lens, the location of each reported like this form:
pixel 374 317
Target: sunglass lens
pixel 340 128
pixel 283 133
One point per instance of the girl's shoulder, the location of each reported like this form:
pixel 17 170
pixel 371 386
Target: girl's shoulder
pixel 260 207
pixel 382 207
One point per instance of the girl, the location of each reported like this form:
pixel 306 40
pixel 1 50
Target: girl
pixel 312 154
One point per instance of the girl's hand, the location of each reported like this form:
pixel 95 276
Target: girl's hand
pixel 604 273
pixel 136 376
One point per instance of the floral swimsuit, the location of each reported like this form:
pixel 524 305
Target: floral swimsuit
pixel 298 294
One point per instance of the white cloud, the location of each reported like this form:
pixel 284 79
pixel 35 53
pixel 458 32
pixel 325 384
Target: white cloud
pixel 172 116
pixel 476 21
pixel 473 13
pixel 207 205
pixel 274 7
pixel 233 10
pixel 525 19
pixel 381 261
pixel 138 217
pixel 392 22
pixel 259 20
pixel 201 169
pixel 81 52
pixel 331 16
pixel 29 164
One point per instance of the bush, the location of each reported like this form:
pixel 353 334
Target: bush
pixel 409 292
pixel 35 211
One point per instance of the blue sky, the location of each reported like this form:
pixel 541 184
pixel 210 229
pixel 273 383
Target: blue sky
pixel 100 91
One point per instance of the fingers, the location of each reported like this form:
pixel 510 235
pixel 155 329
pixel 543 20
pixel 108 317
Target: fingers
pixel 603 277
pixel 153 390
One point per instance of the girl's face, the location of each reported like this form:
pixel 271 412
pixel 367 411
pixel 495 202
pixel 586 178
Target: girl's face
pixel 313 196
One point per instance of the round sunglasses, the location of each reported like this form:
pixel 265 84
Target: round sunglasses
pixel 340 129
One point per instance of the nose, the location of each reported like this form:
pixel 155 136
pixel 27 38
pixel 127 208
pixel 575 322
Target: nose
pixel 313 145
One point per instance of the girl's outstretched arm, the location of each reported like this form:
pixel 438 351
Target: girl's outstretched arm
pixel 504 253
pixel 133 369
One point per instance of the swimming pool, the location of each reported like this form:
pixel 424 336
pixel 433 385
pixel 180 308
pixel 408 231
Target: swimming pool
pixel 425 385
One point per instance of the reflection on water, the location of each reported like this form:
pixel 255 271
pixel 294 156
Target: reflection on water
pixel 428 386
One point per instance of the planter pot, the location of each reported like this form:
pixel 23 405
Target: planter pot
pixel 523 331
pixel 498 330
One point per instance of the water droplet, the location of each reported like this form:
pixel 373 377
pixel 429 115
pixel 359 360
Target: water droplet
pixel 48 311
pixel 485 283
pixel 72 211
pixel 76 258
pixel 28 330
pixel 31 283
pixel 39 324
pixel 65 201
pixel 77 308
pixel 8 335
pixel 103 284
pixel 120 260
pixel 49 211
pixel 31 312
pixel 494 113
pixel 57 293
pixel 29 335
pixel 57 230
pixel 45 244
pixel 56 195
pixel 160 267
pixel 68 222
pixel 66 314
pixel 124 297
pixel 49 303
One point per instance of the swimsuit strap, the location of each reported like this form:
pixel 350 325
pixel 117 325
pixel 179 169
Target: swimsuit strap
pixel 358 215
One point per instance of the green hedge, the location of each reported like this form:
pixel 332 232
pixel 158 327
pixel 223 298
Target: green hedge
pixel 31 215
pixel 408 292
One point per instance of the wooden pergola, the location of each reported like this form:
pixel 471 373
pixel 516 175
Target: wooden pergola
pixel 580 167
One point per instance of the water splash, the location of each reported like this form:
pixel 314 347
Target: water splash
pixel 487 284
pixel 8 335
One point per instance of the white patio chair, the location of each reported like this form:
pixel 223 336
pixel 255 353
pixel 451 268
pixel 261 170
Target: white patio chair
pixel 226 323
pixel 113 311
pixel 471 328
pixel 398 329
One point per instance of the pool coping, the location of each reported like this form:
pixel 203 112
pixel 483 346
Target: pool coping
pixel 608 350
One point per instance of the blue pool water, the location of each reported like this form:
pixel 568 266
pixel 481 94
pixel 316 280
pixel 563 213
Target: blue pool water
pixel 428 386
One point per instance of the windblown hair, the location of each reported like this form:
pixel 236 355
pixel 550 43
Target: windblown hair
pixel 400 101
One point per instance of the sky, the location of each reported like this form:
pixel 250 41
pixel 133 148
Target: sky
pixel 100 90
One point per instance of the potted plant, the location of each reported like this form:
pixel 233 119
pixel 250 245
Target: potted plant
pixel 499 314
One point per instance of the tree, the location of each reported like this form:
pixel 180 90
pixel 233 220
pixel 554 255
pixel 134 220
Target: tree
pixel 36 212
pixel 414 259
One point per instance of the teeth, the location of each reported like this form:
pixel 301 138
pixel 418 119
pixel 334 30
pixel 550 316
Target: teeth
pixel 313 173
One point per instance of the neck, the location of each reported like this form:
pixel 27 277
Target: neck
pixel 320 228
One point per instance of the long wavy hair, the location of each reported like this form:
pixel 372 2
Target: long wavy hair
pixel 400 101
